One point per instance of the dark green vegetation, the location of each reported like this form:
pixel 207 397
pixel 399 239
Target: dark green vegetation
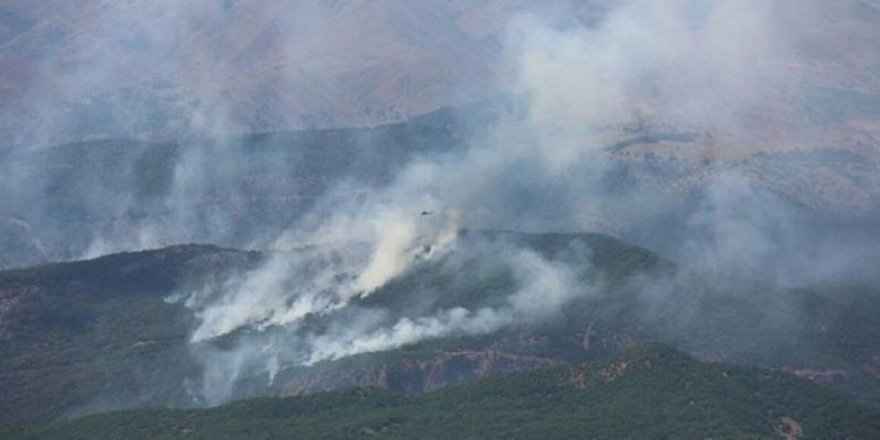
pixel 646 392
pixel 88 336
pixel 91 336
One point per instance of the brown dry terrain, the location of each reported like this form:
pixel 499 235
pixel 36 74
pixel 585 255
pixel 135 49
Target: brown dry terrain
pixel 235 66
pixel 74 70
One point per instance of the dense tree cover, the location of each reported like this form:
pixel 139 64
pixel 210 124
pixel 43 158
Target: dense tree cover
pixel 94 335
pixel 648 392
pixel 97 335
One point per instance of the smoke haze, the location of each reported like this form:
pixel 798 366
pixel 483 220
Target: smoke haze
pixel 655 121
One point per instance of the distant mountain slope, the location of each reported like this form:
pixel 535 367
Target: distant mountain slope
pixel 85 337
pixel 85 199
pixel 646 392
pixel 163 70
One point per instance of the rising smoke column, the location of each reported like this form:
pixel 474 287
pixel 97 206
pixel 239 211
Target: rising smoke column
pixel 712 66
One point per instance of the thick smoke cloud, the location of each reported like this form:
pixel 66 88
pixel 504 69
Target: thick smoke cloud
pixel 194 75
pixel 278 326
pixel 544 288
pixel 713 67
pixel 734 75
pixel 678 64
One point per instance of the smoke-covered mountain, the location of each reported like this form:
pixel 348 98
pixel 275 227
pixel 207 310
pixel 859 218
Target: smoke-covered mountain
pixel 738 136
pixel 128 330
pixel 90 198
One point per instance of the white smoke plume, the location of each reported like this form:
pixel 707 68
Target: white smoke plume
pixel 543 288
pixel 343 260
pixel 723 67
